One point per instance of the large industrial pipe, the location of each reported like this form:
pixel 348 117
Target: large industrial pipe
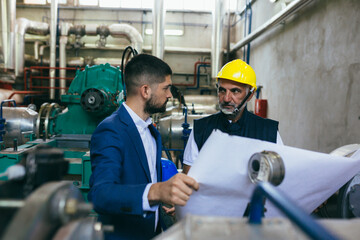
pixel 65 27
pixel 129 32
pixel 218 15
pixel 53 30
pixel 112 61
pixel 8 19
pixel 70 61
pixel 158 40
pixel 23 26
pixel 293 7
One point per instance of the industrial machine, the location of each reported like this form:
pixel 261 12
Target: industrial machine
pixel 35 199
pixel 94 94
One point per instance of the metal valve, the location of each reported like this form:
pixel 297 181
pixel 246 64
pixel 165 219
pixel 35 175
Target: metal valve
pixel 266 166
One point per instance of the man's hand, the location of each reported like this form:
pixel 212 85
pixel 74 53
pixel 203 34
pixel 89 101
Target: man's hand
pixel 175 191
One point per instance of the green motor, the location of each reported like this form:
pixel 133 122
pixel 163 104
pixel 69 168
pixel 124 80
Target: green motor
pixel 100 89
pixel 94 94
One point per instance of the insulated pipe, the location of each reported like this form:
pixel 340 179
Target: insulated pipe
pixel 293 7
pixel 41 53
pixel 36 50
pixel 75 62
pixel 158 40
pixel 129 32
pixel 65 27
pixel 91 29
pixel 8 20
pixel 62 63
pixel 53 30
pixel 216 37
pixel 111 61
pixel 23 26
pixel 70 61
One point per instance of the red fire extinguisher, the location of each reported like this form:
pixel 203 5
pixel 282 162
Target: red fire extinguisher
pixel 260 105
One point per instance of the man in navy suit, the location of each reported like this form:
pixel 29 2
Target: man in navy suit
pixel 126 187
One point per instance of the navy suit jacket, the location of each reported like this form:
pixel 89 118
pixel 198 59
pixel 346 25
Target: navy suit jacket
pixel 120 174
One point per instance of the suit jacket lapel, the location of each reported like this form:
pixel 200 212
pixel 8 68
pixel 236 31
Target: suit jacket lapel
pixel 135 138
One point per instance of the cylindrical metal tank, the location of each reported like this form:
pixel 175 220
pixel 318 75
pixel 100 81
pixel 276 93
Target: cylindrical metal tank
pixel 170 123
pixel 202 104
pixel 20 121
pixel 171 130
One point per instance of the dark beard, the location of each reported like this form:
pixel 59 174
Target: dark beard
pixel 151 108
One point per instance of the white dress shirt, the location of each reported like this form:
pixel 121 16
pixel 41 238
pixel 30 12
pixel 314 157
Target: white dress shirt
pixel 150 151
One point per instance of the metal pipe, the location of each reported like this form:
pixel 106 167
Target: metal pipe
pixel 216 37
pixel 11 203
pixel 23 26
pixel 129 32
pixel 293 212
pixel 181 50
pixel 75 62
pixel 65 27
pixel 111 61
pixel 195 71
pixel 248 17
pixel 91 29
pixel 158 39
pixel 70 61
pixel 198 76
pixel 53 31
pixel 62 61
pixel 228 36
pixel 8 20
pixel 36 50
pixel 278 18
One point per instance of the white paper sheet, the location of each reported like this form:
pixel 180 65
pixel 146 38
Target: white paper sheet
pixel 225 188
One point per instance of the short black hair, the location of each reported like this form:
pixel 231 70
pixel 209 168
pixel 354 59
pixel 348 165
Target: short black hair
pixel 144 69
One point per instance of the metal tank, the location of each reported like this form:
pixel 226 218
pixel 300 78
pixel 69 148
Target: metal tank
pixel 202 104
pixel 20 122
pixel 171 130
pixel 170 123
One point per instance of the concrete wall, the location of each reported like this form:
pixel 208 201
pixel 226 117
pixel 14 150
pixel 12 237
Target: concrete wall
pixel 310 69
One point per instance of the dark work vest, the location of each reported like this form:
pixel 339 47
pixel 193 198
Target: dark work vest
pixel 249 125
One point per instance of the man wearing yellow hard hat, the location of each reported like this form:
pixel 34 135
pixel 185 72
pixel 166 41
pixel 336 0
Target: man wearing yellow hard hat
pixel 236 84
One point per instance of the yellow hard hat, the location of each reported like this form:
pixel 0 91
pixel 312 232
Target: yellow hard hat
pixel 238 71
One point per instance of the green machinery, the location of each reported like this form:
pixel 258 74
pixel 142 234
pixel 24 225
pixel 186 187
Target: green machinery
pixel 94 94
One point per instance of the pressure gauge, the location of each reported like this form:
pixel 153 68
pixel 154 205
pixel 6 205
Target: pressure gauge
pixel 266 166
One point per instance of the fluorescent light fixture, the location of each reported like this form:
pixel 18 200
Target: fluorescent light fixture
pixel 168 32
